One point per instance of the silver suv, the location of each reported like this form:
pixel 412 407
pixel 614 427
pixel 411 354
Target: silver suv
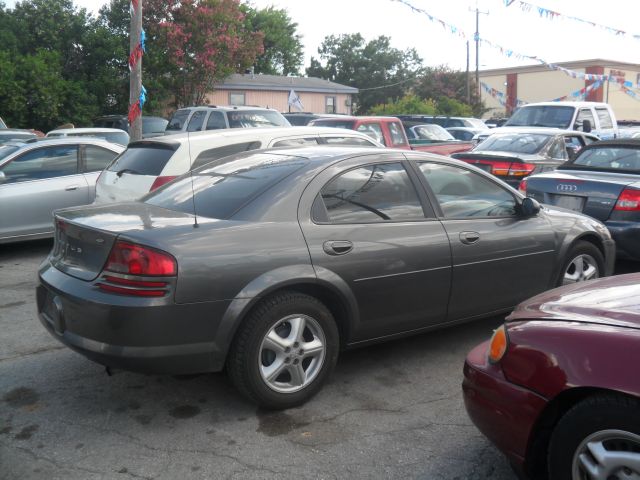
pixel 195 119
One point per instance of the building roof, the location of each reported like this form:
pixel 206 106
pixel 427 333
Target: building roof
pixel 276 82
pixel 596 62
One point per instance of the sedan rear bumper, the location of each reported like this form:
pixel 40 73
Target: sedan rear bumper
pixel 138 334
pixel 627 238
pixel 505 413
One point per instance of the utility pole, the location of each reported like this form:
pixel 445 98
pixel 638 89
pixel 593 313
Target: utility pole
pixel 135 75
pixel 476 38
pixel 468 79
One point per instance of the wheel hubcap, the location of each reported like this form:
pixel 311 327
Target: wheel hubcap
pixel 608 455
pixel 583 267
pixel 292 353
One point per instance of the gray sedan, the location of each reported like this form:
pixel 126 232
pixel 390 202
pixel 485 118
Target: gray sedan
pixel 37 178
pixel 268 263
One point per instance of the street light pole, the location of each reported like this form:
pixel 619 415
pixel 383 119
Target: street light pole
pixel 476 38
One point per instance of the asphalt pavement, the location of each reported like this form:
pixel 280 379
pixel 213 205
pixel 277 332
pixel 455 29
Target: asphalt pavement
pixel 389 411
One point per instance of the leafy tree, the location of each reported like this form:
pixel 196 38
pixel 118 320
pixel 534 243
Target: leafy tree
pixel 409 104
pixel 378 70
pixel 445 85
pixel 283 54
pixel 453 108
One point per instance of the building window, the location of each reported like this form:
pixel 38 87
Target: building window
pixel 329 104
pixel 236 99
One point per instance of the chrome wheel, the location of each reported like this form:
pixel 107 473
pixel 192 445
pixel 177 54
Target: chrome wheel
pixel 292 353
pixel 607 455
pixel 581 268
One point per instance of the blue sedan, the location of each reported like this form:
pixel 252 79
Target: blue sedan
pixel 603 181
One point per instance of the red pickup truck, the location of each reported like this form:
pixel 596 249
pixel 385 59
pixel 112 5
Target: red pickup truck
pixel 390 132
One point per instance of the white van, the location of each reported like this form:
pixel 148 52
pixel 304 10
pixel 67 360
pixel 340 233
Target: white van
pixel 149 164
pixel 589 117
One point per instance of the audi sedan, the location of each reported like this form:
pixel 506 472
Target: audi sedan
pixel 556 388
pixel 603 181
pixel 269 262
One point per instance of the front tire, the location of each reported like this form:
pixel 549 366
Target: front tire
pixel 598 439
pixel 284 351
pixel 583 262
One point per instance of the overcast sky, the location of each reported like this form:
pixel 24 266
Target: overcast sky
pixel 554 40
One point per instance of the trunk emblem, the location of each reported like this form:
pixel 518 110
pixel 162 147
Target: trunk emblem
pixel 566 187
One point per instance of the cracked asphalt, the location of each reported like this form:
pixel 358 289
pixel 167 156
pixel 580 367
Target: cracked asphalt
pixel 389 411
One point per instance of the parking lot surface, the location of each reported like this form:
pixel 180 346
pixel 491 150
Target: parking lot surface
pixel 393 410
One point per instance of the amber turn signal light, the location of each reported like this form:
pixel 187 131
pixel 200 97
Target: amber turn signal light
pixel 498 345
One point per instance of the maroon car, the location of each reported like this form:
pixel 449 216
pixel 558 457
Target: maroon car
pixel 557 388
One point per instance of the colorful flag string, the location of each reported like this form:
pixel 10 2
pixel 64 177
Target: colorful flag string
pixel 582 93
pixel 551 15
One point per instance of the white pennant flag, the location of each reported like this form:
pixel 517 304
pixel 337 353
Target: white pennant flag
pixel 294 101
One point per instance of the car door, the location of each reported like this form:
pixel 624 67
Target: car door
pixel 37 182
pixel 499 257
pixel 371 230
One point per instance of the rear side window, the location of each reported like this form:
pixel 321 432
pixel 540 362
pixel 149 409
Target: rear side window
pixel 219 191
pixel 196 122
pixel 96 158
pixel 396 134
pixel 371 194
pixel 144 159
pixel 178 119
pixel 604 117
pixel 216 121
pixel 215 153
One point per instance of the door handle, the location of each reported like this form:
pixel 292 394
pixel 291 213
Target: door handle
pixel 469 238
pixel 337 247
pixel 68 188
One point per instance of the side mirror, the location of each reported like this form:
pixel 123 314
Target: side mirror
pixel 529 207
pixel 586 126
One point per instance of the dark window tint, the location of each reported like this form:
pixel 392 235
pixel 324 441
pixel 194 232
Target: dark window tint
pixel 609 158
pixel 96 158
pixel 216 121
pixel 219 191
pixel 461 134
pixel 348 141
pixel 42 163
pixel 153 125
pixel 296 142
pixel 178 120
pixel 605 118
pixel 462 193
pixel 145 159
pixel 215 153
pixel 196 122
pixel 348 124
pixel 454 122
pixel 375 193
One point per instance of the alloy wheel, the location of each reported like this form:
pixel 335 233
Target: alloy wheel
pixel 581 268
pixel 607 455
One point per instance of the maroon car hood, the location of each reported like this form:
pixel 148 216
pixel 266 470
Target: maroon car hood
pixel 611 301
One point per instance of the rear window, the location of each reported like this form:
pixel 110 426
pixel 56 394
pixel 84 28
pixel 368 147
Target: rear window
pixel 348 124
pixel 220 190
pixel 256 118
pixel 609 158
pixel 143 159
pixel 177 121
pixel 153 125
pixel 516 143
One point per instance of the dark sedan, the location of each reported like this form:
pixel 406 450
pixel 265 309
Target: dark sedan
pixel 512 156
pixel 268 263
pixel 556 389
pixel 603 181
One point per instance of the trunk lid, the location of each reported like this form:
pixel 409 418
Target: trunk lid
pixel 84 236
pixel 590 192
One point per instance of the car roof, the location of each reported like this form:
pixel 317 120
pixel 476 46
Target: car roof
pixel 566 104
pixel 86 130
pixel 240 133
pixel 67 141
pixel 226 107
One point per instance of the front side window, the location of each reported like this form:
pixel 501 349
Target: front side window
pixel 197 119
pixel 96 158
pixel 371 194
pixel 373 130
pixel 397 138
pixel 42 163
pixel 584 114
pixel 462 193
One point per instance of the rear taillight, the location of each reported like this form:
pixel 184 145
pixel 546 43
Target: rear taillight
pixel 137 261
pixel 160 181
pixel 505 169
pixel 628 201
pixel 521 169
pixel 522 187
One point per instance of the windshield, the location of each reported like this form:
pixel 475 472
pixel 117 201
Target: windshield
pixel 221 189
pixel 256 118
pixel 516 143
pixel 607 158
pixel 348 124
pixel 431 132
pixel 6 150
pixel 553 116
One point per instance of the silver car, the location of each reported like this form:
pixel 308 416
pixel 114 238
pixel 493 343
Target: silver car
pixel 37 178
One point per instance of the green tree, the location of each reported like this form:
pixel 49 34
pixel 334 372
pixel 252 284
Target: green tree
pixel 380 71
pixel 409 104
pixel 448 88
pixel 283 51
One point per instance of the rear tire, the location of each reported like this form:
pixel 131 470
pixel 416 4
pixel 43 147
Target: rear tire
pixel 583 262
pixel 600 434
pixel 284 351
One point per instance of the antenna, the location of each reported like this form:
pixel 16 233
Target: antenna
pixel 193 191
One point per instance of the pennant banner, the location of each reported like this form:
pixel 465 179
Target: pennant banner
pixel 550 14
